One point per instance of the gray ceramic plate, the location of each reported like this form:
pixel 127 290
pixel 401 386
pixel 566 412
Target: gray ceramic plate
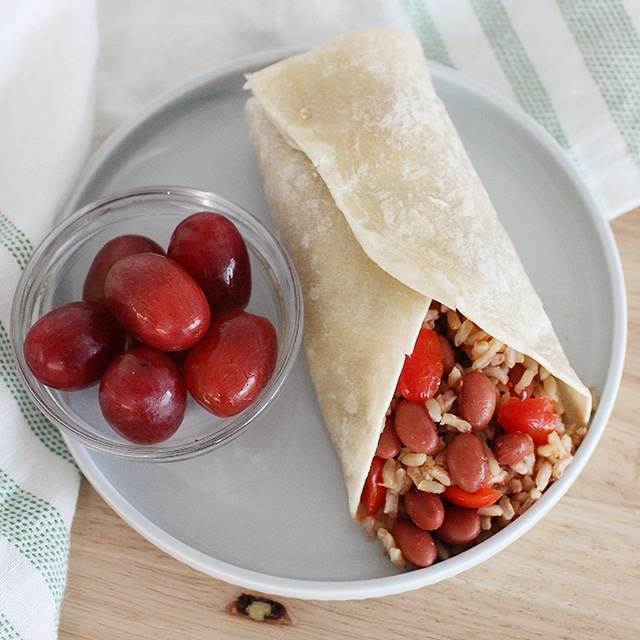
pixel 269 511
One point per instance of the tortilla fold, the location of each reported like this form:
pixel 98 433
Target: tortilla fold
pixel 382 211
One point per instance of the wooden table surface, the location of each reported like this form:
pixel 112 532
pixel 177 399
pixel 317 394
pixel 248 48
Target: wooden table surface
pixel 575 575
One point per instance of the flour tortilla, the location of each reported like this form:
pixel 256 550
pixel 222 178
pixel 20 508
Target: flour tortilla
pixel 359 321
pixel 382 211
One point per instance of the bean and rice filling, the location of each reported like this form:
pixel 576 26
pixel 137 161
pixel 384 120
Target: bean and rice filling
pixel 455 468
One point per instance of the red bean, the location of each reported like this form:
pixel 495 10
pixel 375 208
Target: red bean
pixel 477 400
pixel 417 545
pixel 415 427
pixel 389 444
pixel 425 509
pixel 467 462
pixel 448 355
pixel 511 448
pixel 460 525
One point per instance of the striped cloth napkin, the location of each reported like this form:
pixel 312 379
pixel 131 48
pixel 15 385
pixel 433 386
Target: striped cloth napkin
pixel 47 56
pixel 573 65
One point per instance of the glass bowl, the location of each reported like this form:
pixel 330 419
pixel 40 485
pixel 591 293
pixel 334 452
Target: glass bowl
pixel 55 275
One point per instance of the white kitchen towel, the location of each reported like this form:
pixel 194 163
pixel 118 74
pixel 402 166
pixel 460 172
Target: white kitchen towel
pixel 574 65
pixel 48 51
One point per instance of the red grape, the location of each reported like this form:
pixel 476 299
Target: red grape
pixel 71 346
pixel 157 301
pixel 210 247
pixel 229 367
pixel 143 396
pixel 110 253
pixel 146 316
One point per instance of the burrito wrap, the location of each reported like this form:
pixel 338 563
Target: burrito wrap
pixel 361 114
pixel 359 321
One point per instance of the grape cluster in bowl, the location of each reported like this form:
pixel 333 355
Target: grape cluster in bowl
pixel 157 323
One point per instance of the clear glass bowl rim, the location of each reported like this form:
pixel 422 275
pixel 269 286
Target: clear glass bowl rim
pixel 50 250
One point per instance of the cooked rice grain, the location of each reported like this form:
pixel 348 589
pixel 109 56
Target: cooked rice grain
pixel 458 424
pixel 410 459
pixel 393 475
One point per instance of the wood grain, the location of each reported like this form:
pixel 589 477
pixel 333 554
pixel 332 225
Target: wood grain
pixel 575 575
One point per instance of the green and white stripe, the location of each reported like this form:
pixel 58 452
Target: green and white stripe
pixel 15 241
pixel 427 31
pixel 18 249
pixel 568 63
pixel 36 538
pixel 518 67
pixel 613 60
pixel 38 488
pixel 44 430
pixel 7 630
pixel 47 66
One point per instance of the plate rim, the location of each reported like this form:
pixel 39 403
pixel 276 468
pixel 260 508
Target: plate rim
pixel 155 106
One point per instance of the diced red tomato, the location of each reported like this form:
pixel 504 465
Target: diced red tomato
pixel 534 416
pixel 422 370
pixel 484 497
pixel 373 493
